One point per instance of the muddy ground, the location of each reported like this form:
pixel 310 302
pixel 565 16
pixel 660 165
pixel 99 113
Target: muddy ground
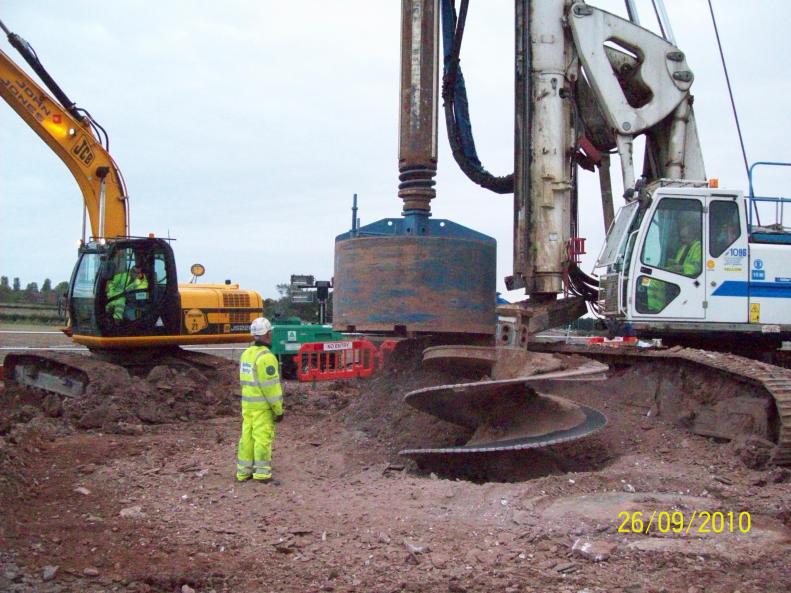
pixel 144 504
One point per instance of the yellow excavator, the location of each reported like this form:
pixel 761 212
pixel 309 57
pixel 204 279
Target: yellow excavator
pixel 125 301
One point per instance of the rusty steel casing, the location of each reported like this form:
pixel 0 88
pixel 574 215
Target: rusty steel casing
pixel 417 139
pixel 423 284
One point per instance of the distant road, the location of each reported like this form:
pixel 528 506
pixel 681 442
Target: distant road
pixel 43 338
pixel 15 331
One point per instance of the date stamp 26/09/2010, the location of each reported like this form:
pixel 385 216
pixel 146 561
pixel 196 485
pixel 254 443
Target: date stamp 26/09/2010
pixel 679 522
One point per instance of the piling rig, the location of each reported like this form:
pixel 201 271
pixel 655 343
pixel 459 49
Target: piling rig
pixel 587 83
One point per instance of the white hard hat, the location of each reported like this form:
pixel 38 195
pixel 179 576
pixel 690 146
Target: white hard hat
pixel 260 326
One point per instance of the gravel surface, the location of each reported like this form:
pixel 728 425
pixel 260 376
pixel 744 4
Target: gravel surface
pixel 156 510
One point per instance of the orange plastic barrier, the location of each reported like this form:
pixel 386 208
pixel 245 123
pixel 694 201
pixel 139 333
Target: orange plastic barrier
pixel 327 361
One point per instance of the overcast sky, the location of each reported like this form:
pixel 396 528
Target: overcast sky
pixel 244 127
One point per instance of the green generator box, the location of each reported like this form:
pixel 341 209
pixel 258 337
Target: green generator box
pixel 288 335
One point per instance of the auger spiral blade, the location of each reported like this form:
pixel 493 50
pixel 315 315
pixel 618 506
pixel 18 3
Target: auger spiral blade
pixel 507 414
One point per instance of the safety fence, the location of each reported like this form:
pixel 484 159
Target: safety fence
pixel 347 359
pixel 385 350
pixel 613 342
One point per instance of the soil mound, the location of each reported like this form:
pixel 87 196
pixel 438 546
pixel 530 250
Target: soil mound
pixel 381 414
pixel 163 394
pixel 116 401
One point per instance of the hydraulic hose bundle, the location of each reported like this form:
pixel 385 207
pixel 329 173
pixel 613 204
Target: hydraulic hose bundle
pixel 454 96
pixel 460 137
pixel 582 285
pixel 29 54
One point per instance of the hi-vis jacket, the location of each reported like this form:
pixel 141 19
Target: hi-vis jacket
pixel 260 380
pixel 125 282
pixel 688 259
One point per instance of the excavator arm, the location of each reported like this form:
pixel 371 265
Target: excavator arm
pixel 70 135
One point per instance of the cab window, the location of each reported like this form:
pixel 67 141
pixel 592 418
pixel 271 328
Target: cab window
pixel 160 271
pixel 85 279
pixel 653 294
pixel 673 241
pixel 724 227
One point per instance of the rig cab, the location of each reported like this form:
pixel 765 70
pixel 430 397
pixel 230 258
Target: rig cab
pixel 688 258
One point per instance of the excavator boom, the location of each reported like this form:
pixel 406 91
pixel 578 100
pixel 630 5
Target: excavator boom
pixel 76 144
pixel 125 301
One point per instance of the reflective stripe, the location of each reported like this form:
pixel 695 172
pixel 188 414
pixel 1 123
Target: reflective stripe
pixel 272 399
pixel 257 384
pixel 262 466
pixel 243 463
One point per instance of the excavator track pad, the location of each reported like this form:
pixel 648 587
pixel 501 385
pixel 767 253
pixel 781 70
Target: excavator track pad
pixel 71 374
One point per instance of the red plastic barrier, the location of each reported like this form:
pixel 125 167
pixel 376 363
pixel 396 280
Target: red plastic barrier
pixel 614 342
pixel 385 350
pixel 328 361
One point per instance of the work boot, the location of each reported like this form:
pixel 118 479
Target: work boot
pixel 270 481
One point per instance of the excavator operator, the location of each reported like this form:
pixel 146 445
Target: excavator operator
pixel 123 285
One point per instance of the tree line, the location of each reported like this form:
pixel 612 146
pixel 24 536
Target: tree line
pixel 12 292
pixel 284 306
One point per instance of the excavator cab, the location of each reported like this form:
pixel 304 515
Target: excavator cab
pixel 125 287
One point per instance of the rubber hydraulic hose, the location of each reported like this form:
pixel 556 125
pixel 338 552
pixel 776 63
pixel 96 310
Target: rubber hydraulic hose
pixel 29 54
pixel 456 106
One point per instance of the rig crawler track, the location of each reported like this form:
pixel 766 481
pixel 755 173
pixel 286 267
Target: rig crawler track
pixel 775 380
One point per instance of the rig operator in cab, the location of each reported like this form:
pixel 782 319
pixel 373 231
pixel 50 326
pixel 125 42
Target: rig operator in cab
pixel 687 260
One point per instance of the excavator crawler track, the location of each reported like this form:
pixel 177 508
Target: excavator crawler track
pixel 62 373
pixel 71 374
pixel 775 380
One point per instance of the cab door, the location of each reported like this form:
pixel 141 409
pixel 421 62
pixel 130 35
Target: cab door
pixel 727 261
pixel 667 279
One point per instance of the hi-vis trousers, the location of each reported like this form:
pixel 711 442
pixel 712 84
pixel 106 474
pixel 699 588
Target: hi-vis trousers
pixel 254 456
